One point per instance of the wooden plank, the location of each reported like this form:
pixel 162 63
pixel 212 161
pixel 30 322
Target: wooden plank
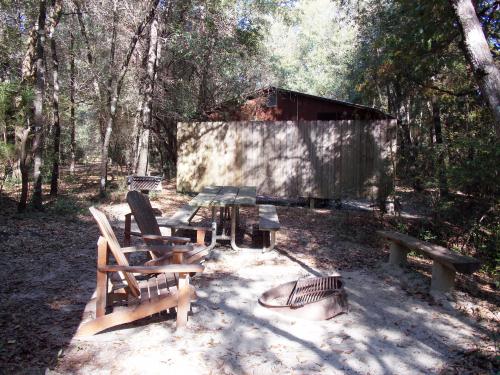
pixel 246 196
pixel 225 197
pixel 285 158
pixel 205 198
pixel 182 216
pixel 268 218
pixel 211 189
pixel 454 261
pixel 144 288
pixel 153 289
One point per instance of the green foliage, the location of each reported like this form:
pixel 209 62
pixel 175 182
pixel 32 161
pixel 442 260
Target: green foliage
pixel 310 48
pixel 475 166
pixel 66 206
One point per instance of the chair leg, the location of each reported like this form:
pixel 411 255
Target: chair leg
pixel 102 278
pixel 183 306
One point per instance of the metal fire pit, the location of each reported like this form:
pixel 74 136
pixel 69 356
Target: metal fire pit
pixel 316 298
pixel 144 183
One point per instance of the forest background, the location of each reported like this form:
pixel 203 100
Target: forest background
pixel 87 81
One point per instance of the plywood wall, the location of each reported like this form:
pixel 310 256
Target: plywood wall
pixel 320 159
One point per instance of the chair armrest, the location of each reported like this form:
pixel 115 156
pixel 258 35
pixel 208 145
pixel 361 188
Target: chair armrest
pixel 171 268
pixel 179 240
pixel 165 249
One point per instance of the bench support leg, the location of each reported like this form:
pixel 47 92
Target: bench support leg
pixel 272 241
pixel 398 255
pixel 200 237
pixel 443 279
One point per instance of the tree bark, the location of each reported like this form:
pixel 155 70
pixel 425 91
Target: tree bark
pixel 114 89
pixel 56 123
pixel 479 56
pixel 99 87
pixel 38 120
pixel 24 164
pixel 441 166
pixel 142 162
pixel 72 120
pixel 112 103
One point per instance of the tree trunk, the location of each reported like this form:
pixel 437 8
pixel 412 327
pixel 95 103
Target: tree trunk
pixel 114 89
pixel 99 89
pixel 441 167
pixel 72 120
pixel 56 124
pixel 134 152
pixel 112 101
pixel 24 164
pixel 142 162
pixel 38 123
pixel 479 56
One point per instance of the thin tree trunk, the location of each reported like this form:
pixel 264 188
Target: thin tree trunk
pixel 99 88
pixel 115 88
pixel 24 164
pixel 72 120
pixel 136 135
pixel 38 123
pixel 56 124
pixel 479 56
pixel 142 162
pixel 112 102
pixel 441 167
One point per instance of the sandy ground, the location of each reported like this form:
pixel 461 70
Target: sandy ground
pixel 393 327
pixel 387 330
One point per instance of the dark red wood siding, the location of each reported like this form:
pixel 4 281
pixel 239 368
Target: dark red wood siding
pixel 291 106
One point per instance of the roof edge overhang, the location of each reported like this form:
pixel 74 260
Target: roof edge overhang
pixel 315 97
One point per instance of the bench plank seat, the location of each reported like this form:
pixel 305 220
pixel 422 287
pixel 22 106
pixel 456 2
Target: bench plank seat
pixel 268 218
pixel 456 262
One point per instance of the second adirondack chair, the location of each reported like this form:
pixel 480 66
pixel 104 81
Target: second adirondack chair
pixel 144 216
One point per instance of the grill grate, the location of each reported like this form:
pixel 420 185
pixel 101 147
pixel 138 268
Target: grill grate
pixel 316 298
pixel 309 290
pixel 144 183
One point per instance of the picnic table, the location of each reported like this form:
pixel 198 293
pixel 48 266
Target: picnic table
pixel 228 199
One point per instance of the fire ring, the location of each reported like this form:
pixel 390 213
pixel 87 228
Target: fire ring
pixel 316 298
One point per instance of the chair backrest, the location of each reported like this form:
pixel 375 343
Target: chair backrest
pixel 144 215
pixel 114 246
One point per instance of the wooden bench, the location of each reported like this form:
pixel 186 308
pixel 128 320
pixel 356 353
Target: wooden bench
pixel 445 262
pixel 268 222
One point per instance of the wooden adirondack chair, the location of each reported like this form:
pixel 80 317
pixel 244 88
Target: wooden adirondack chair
pixel 142 298
pixel 144 216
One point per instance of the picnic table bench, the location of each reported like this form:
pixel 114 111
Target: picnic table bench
pixel 445 264
pixel 269 222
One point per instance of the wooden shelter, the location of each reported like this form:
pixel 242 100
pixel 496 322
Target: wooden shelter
pixel 277 104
